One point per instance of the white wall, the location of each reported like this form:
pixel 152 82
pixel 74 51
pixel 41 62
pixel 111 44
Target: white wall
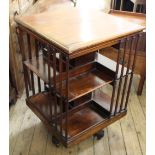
pixel 103 5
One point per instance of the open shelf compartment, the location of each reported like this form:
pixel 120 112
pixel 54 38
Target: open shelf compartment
pixel 87 78
pixel 82 79
pixel 69 81
pixel 85 118
pixel 81 118
pixel 39 65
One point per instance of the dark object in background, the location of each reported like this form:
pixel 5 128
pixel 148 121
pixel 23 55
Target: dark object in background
pixel 127 5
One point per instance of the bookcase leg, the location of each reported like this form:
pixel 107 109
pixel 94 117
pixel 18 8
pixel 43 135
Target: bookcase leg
pixel 55 141
pixel 99 135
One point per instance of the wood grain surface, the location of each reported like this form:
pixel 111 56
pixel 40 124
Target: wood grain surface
pixel 73 29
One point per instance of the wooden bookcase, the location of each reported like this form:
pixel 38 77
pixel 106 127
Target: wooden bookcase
pixel 66 94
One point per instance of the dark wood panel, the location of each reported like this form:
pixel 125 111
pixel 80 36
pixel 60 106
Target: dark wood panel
pixel 41 102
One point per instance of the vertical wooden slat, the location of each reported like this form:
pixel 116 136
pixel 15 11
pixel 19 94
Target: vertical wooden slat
pixel 127 72
pixel 32 81
pixel 121 76
pixel 49 80
pixel 45 86
pixel 44 68
pixel 116 74
pixel 39 84
pixel 29 46
pixel 133 66
pixel 67 95
pixel 37 54
pixel 36 48
pixel 30 57
pixel 54 86
pixel 60 88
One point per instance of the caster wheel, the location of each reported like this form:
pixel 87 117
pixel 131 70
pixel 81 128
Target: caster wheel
pixel 99 135
pixel 55 142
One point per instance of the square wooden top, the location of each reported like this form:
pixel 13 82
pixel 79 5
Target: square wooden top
pixel 74 29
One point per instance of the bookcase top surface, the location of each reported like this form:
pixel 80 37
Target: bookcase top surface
pixel 74 29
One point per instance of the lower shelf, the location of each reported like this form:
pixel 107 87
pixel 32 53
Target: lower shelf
pixel 83 121
pixel 84 118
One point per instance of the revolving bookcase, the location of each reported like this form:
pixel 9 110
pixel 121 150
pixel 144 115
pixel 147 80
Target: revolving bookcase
pixel 65 89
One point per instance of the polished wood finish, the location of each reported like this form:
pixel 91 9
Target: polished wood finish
pixel 93 78
pixel 69 108
pixel 88 81
pixel 81 120
pixel 25 7
pixel 76 38
pixel 40 65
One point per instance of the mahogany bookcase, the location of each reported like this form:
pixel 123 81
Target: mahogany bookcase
pixel 64 72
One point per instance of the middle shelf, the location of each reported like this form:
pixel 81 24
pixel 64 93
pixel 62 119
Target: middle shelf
pixel 82 79
pixel 89 78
